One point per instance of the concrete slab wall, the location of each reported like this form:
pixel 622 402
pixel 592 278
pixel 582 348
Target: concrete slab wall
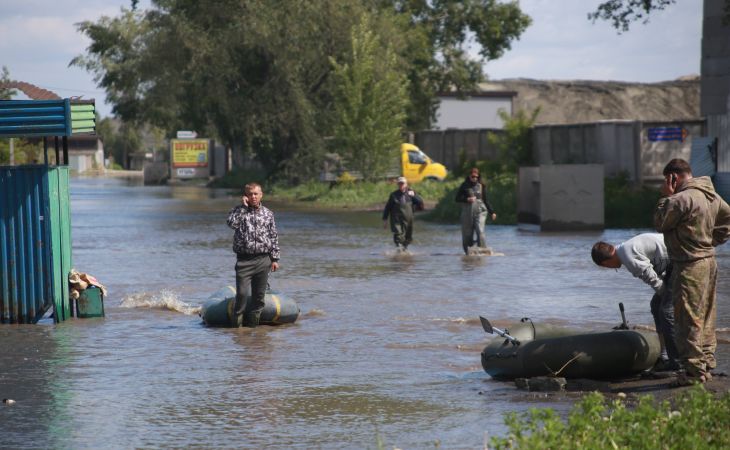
pixel 571 197
pixel 715 63
pixel 561 197
pixel 528 195
pixel 621 146
pixel 447 146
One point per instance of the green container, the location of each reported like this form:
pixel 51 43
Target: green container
pixel 90 303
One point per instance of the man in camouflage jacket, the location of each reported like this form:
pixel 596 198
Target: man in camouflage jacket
pixel 694 219
pixel 256 244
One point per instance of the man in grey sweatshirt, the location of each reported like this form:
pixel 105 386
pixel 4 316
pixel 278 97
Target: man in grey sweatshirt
pixel 645 256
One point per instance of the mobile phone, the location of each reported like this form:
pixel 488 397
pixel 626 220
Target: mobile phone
pixel 673 178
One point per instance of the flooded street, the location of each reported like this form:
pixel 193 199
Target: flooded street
pixel 386 350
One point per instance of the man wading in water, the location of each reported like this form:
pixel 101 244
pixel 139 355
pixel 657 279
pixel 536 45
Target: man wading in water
pixel 474 209
pixel 256 244
pixel 400 209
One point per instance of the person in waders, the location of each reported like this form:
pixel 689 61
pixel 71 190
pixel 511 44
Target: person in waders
pixel 399 208
pixel 472 194
pixel 256 244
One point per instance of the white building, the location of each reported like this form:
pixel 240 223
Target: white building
pixel 476 110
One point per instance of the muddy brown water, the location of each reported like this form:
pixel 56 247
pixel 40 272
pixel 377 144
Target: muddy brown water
pixel 386 351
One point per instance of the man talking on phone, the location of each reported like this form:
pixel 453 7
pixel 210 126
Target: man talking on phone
pixel 694 220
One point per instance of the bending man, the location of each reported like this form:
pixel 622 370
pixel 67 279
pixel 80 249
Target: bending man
pixel 645 257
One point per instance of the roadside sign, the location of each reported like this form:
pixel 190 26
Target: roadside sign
pixel 667 134
pixel 184 134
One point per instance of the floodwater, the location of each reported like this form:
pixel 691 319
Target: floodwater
pixel 386 352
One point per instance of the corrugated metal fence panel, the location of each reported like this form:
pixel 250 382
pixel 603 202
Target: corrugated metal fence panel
pixel 721 180
pixel 35 243
pixel 701 159
pixel 83 117
pixel 60 239
pixel 719 126
pixel 23 118
pixel 24 259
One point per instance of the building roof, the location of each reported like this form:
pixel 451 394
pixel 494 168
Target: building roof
pixel 32 91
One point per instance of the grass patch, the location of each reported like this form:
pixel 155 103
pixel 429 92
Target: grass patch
pixel 354 195
pixel 237 178
pixel 696 419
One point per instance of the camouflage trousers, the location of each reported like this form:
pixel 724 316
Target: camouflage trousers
pixel 693 292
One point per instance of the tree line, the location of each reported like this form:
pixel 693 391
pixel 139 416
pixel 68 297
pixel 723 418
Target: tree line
pixel 286 81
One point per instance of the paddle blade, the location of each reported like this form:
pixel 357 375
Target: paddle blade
pixel 486 325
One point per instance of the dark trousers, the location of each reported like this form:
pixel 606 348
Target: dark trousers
pixel 252 271
pixel 402 229
pixel 662 309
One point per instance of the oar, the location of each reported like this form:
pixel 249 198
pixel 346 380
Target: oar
pixel 490 329
pixel 624 324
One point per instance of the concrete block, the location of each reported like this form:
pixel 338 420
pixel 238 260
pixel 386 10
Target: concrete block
pixel 716 66
pixel 571 197
pixel 155 172
pixel 713 47
pixel 713 8
pixel 561 197
pixel 528 195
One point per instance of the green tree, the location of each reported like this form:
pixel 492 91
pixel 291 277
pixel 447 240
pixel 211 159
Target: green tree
pixel 370 103
pixel 514 143
pixel 440 33
pixel 121 140
pixel 5 92
pixel 257 74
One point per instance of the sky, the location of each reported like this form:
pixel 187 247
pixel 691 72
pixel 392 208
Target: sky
pixel 38 38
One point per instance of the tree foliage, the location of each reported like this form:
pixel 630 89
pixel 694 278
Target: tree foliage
pixel 514 142
pixel 256 74
pixel 370 99
pixel 5 93
pixel 622 13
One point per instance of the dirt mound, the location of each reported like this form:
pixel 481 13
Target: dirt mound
pixel 581 101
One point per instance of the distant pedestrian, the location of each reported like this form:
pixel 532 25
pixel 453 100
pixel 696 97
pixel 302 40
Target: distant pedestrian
pixel 474 210
pixel 694 219
pixel 256 244
pixel 399 208
pixel 645 257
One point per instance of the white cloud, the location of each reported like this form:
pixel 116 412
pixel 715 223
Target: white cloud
pixel 563 44
pixel 38 39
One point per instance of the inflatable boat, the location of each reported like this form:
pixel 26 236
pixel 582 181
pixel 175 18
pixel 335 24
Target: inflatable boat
pixel 530 350
pixel 218 310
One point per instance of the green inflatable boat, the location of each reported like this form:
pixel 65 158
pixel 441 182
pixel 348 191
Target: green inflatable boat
pixel 218 310
pixel 529 350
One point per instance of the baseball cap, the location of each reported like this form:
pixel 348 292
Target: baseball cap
pixel 402 180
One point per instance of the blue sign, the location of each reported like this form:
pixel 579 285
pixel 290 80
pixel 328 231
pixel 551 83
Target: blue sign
pixel 667 134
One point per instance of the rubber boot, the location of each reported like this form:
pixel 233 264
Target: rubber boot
pixel 251 320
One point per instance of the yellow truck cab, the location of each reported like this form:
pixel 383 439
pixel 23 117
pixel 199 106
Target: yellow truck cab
pixel 417 166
